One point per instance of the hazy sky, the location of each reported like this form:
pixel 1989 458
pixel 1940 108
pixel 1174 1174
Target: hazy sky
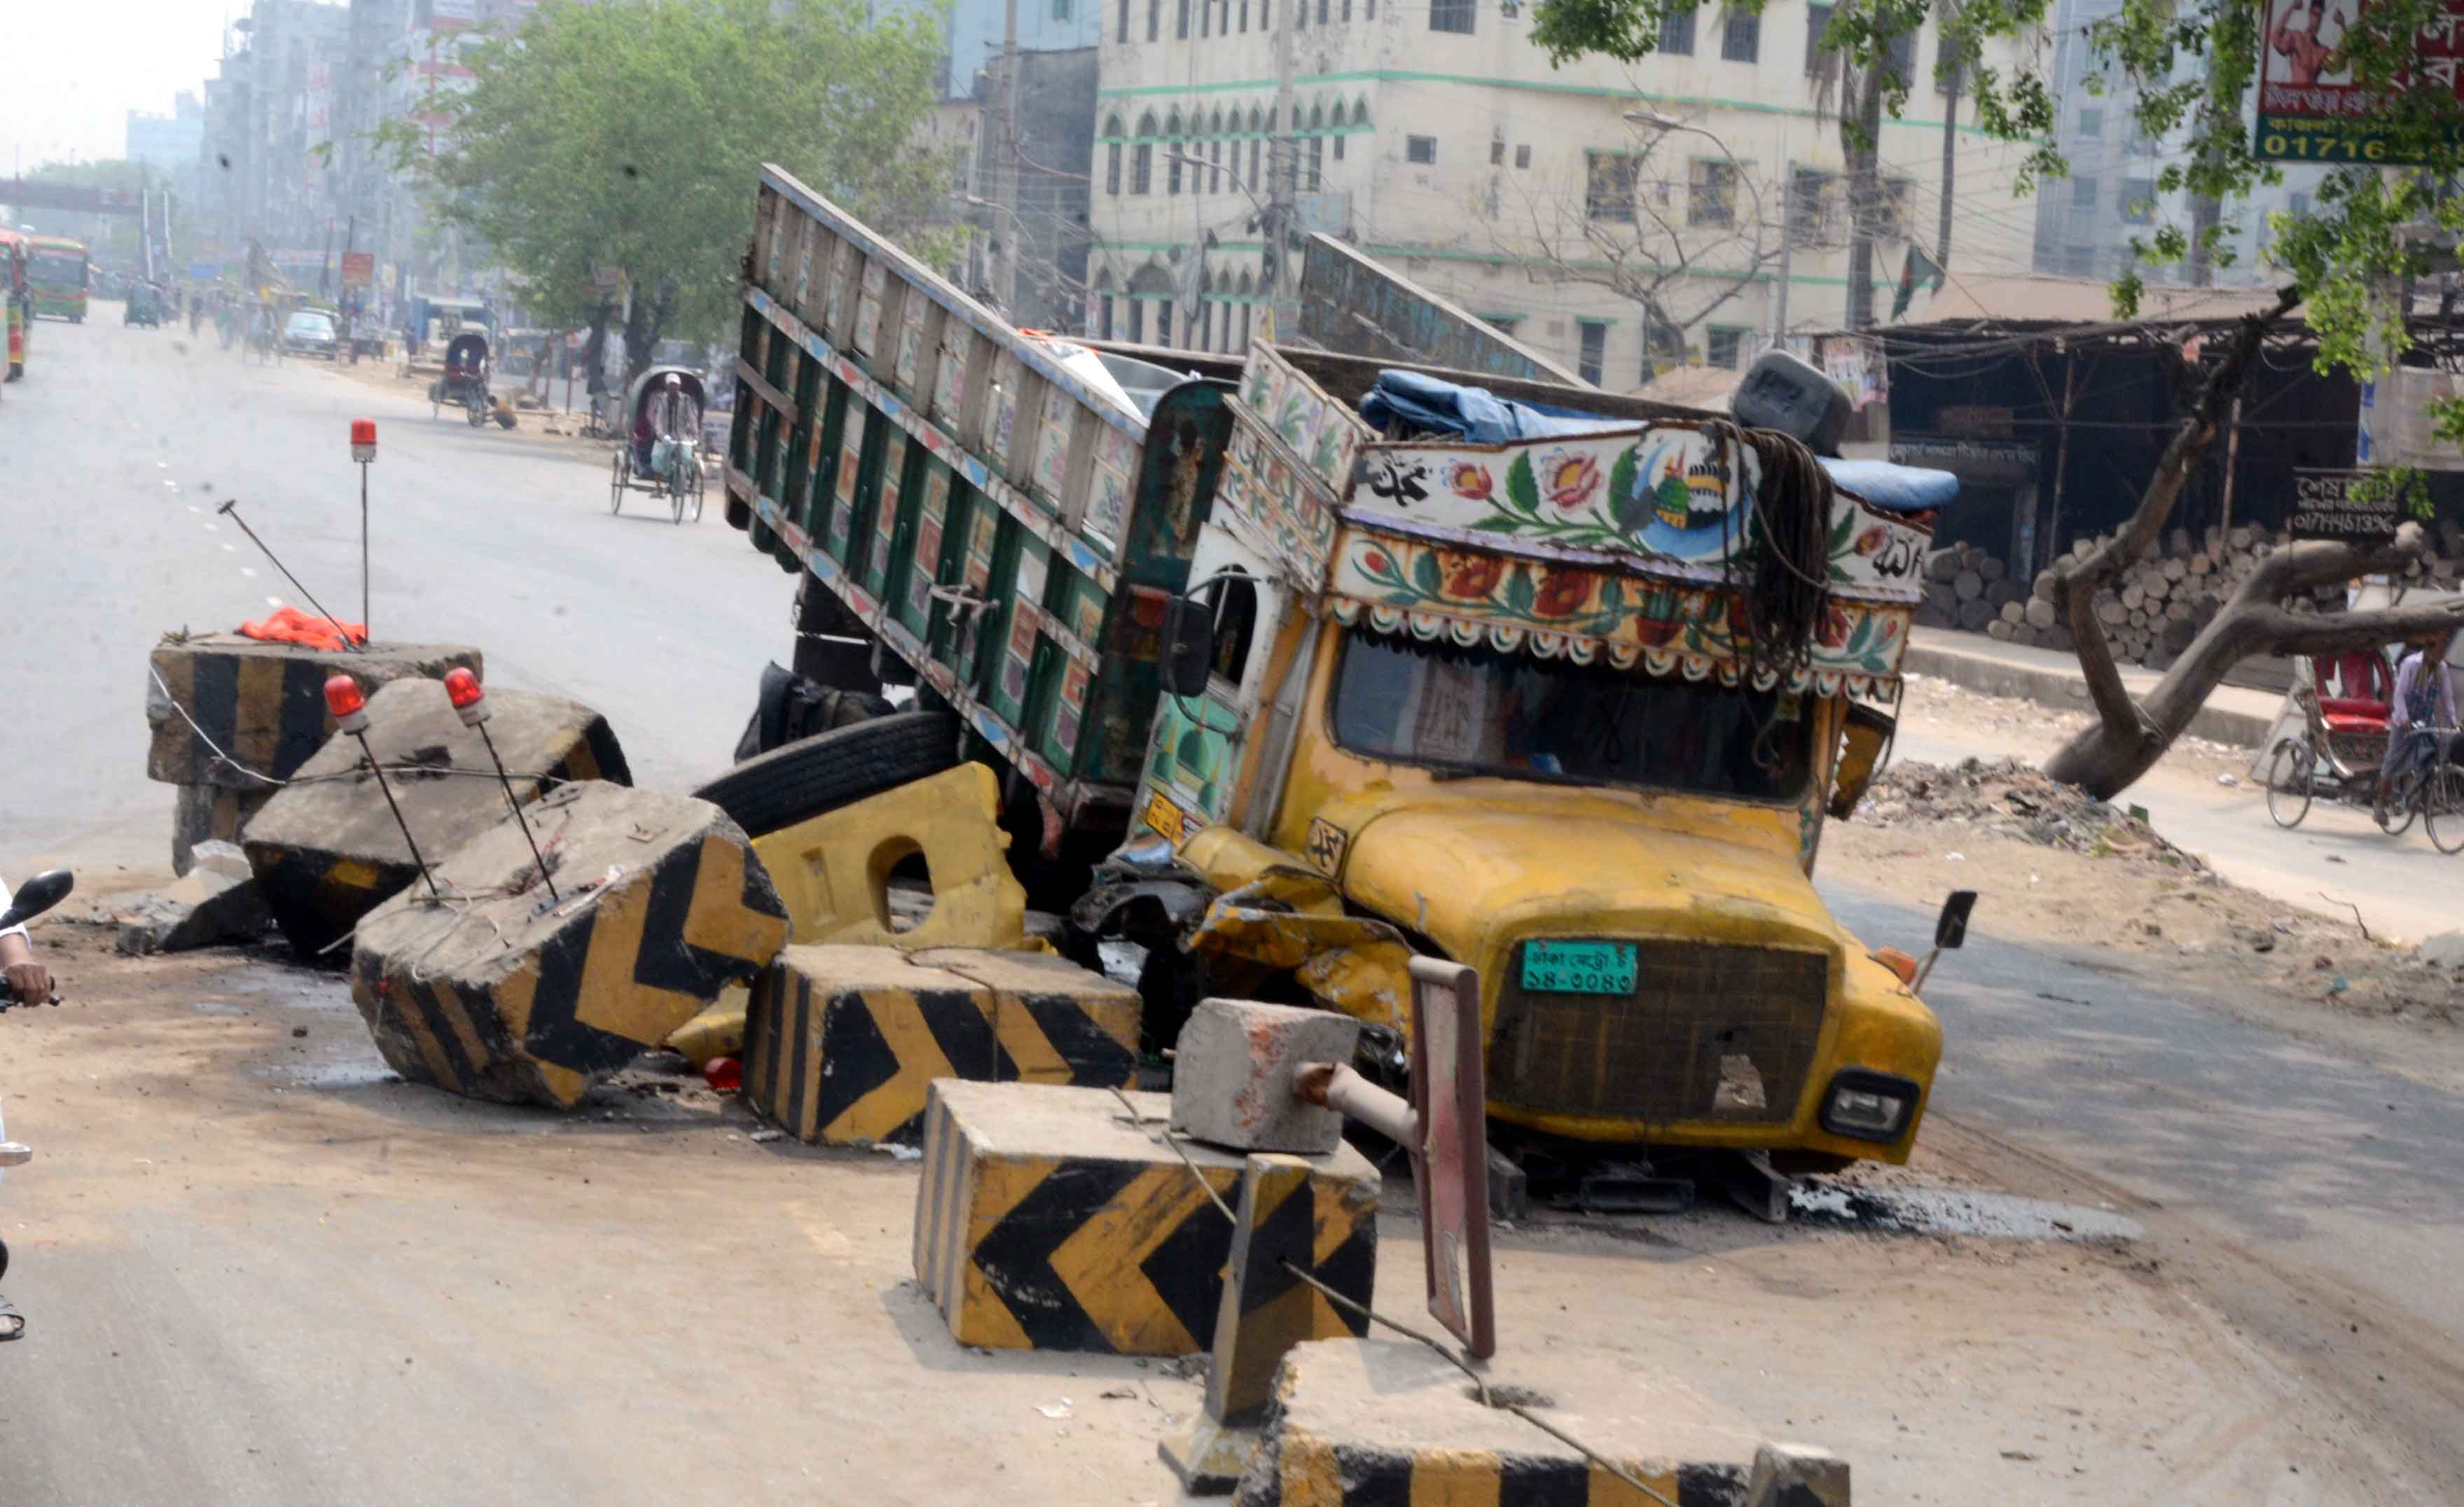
pixel 71 70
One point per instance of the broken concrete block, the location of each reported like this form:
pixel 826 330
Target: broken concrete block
pixel 1060 1219
pixel 218 857
pixel 207 907
pixel 1796 1476
pixel 841 1042
pixel 1376 1420
pixel 1232 1075
pixel 211 813
pixel 497 993
pixel 262 704
pixel 2446 949
pixel 327 851
pixel 834 869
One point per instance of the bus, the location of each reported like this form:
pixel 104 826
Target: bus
pixel 57 271
pixel 16 310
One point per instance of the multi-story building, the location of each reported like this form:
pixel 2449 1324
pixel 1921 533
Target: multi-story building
pixel 2086 225
pixel 1616 217
pixel 168 143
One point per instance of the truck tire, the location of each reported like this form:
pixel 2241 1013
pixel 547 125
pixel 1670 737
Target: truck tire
pixel 833 769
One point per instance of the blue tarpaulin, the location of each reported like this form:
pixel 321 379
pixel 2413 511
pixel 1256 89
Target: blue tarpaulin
pixel 1409 404
pixel 1892 487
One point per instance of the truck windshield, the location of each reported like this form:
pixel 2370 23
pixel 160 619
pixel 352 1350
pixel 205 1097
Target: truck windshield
pixel 59 269
pixel 1478 710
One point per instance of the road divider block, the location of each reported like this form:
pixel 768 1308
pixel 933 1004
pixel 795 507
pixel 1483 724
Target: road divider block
pixel 1061 1219
pixel 843 1043
pixel 327 850
pixel 494 992
pixel 1366 1423
pixel 263 705
pixel 834 869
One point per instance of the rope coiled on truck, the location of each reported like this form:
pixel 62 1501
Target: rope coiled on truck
pixel 1780 583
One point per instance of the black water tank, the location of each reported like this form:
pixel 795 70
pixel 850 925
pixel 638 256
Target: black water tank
pixel 1783 393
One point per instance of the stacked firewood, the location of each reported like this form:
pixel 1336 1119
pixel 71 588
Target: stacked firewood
pixel 2149 616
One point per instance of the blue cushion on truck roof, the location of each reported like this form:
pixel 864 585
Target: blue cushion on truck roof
pixel 1894 489
pixel 1410 402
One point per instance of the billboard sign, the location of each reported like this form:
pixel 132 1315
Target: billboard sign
pixel 2309 108
pixel 2336 504
pixel 358 268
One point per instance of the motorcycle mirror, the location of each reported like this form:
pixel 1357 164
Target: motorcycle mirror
pixel 1952 929
pixel 1188 646
pixel 37 895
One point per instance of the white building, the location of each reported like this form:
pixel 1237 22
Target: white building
pixel 1438 138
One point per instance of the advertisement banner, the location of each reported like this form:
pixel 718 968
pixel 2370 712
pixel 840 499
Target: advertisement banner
pixel 2309 108
pixel 2334 504
pixel 358 268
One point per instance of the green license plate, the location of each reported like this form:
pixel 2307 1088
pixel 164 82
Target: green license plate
pixel 1578 968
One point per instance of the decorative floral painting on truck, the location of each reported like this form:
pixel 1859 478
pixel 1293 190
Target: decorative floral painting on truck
pixel 1681 497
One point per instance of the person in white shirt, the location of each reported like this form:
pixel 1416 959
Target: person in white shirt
pixel 27 976
pixel 2425 697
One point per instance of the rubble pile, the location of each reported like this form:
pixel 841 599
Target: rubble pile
pixel 2012 798
pixel 2155 610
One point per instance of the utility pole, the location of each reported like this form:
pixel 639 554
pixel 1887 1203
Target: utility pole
pixel 1005 230
pixel 1283 164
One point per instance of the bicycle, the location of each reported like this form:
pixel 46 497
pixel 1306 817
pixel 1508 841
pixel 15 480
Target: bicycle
pixel 2340 762
pixel 2431 786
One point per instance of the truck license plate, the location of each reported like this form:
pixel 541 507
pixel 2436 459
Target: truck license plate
pixel 1578 968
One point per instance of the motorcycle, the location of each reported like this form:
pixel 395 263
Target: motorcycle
pixel 37 895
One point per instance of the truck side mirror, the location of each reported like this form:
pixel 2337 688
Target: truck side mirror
pixel 1188 646
pixel 1950 931
pixel 1862 740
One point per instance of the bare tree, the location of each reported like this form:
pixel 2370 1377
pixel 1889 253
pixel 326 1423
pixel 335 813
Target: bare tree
pixel 2130 736
pixel 1679 246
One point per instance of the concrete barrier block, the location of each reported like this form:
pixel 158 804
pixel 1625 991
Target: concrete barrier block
pixel 326 849
pixel 842 1042
pixel 494 992
pixel 263 704
pixel 1058 1219
pixel 209 906
pixel 834 869
pixel 1233 1071
pixel 203 814
pixel 1797 1475
pixel 1361 1422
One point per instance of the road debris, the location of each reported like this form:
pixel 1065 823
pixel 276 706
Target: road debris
pixel 2012 798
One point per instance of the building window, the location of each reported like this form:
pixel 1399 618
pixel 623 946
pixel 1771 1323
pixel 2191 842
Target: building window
pixel 2138 201
pixel 1142 157
pixel 1245 16
pixel 2083 194
pixel 1163 323
pixel 1503 323
pixel 1205 340
pixel 1899 207
pixel 1347 12
pixel 1265 13
pixel 1450 16
pixel 1137 321
pixel 1711 193
pixel 1904 59
pixel 1338 133
pixel 1205 17
pixel 1154 29
pixel 1596 346
pixel 1817 20
pixel 1720 347
pixel 1741 37
pixel 1112 169
pixel 1122 32
pixel 1420 148
pixel 1256 184
pixel 1321 12
pixel 1812 193
pixel 2298 206
pixel 1061 9
pixel 1608 187
pixel 1317 164
pixel 1244 328
pixel 1215 165
pixel 1497 154
pixel 1172 156
pixel 1677 33
pixel 1522 154
pixel 2091 123
pixel 2079 261
pixel 1104 308
pixel 1181 21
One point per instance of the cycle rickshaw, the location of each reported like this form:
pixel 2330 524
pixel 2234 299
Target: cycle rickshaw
pixel 466 378
pixel 646 460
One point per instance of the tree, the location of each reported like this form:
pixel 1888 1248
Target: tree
pixel 628 134
pixel 2188 70
pixel 1680 249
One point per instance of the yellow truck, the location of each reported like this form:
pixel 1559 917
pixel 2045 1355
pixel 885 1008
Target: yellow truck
pixel 1283 696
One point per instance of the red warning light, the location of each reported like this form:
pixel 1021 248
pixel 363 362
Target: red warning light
pixel 463 689
pixel 364 439
pixel 348 706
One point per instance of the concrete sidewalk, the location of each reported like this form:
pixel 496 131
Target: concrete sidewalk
pixel 2233 716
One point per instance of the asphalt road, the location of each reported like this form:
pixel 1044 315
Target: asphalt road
pixel 122 442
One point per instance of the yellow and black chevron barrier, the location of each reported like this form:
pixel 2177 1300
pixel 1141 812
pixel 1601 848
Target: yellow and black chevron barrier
pixel 508 997
pixel 1058 1219
pixel 1390 1424
pixel 262 704
pixel 842 1042
pixel 326 848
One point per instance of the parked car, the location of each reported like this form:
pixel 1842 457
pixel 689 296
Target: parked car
pixel 311 331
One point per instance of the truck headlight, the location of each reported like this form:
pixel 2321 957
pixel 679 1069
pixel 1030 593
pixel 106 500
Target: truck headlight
pixel 1868 1105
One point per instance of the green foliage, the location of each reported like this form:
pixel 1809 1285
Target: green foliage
pixel 2186 73
pixel 628 134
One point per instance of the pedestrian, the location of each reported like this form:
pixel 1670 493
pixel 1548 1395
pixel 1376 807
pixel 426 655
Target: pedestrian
pixel 2425 699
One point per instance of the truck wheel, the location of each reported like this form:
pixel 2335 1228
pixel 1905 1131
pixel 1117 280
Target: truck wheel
pixel 833 769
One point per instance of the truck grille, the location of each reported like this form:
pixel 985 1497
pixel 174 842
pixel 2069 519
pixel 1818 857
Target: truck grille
pixel 1712 1031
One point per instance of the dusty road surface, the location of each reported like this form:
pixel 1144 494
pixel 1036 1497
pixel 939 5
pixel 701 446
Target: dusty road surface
pixel 260 1270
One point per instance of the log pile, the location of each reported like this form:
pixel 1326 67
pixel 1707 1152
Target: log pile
pixel 2150 616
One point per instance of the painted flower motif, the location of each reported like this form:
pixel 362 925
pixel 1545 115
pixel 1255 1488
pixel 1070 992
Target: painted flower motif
pixel 1870 540
pixel 1469 481
pixel 1561 592
pixel 1471 578
pixel 1569 478
pixel 1834 631
pixel 1378 564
